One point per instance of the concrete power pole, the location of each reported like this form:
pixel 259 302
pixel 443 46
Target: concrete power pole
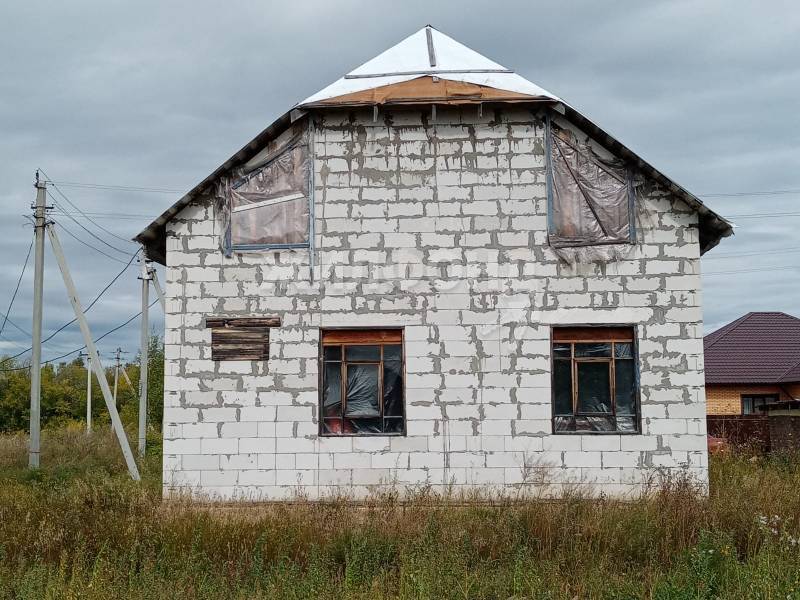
pixel 91 349
pixel 145 341
pixel 40 221
pixel 88 392
pixel 116 375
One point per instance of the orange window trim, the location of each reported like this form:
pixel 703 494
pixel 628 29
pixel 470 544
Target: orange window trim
pixel 593 334
pixel 362 336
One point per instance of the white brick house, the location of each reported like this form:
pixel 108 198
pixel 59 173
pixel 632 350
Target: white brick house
pixel 432 272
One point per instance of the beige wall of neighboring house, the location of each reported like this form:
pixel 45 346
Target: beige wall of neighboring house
pixel 727 399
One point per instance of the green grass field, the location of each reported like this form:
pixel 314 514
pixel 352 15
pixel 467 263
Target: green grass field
pixel 79 528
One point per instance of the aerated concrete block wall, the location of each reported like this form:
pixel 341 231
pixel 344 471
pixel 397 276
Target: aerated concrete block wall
pixel 439 228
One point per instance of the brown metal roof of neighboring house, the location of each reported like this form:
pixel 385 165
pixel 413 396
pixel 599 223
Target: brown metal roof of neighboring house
pixel 760 347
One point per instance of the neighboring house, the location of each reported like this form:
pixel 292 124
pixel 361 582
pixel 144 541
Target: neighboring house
pixel 753 362
pixel 433 272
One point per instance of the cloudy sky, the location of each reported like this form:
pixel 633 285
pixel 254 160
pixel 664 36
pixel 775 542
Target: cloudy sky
pixel 156 95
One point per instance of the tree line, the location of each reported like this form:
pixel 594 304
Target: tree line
pixel 63 397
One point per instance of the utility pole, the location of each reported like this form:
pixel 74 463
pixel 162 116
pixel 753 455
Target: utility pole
pixel 88 391
pixel 91 349
pixel 116 375
pixel 145 342
pixel 40 221
pixel 159 292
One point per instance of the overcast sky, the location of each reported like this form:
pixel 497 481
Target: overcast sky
pixel 157 95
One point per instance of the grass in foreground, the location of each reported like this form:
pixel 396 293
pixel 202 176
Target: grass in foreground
pixel 84 530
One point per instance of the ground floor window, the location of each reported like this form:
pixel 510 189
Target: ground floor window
pixel 594 380
pixel 362 382
pixel 753 404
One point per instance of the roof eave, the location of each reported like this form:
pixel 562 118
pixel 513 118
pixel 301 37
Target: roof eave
pixel 712 226
pixel 153 237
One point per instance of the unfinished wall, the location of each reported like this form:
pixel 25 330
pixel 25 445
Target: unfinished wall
pixel 439 228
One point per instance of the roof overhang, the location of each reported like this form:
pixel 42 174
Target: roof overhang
pixel 154 237
pixel 429 68
pixel 712 227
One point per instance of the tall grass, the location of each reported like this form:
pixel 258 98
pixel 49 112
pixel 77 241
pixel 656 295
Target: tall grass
pixel 84 530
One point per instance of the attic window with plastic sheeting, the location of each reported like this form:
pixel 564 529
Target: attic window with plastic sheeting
pixel 594 380
pixel 269 206
pixel 362 383
pixel 591 199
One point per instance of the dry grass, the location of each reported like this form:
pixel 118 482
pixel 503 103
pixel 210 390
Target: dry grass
pixel 84 530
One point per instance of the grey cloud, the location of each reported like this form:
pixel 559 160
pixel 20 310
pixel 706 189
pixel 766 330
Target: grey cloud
pixel 159 94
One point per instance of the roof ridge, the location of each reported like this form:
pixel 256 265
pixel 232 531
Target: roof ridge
pixel 733 326
pixel 790 369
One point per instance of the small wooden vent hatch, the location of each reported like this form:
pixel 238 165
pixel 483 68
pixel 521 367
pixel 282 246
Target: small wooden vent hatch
pixel 240 338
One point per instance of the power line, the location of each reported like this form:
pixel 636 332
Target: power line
pixel 85 310
pixel 756 193
pixel 106 334
pixel 109 215
pixel 785 268
pixel 121 188
pixel 87 244
pixel 763 215
pixel 739 254
pixel 82 226
pixel 16 289
pixel 63 195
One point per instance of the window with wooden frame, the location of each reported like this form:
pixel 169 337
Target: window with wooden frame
pixel 362 390
pixel 594 380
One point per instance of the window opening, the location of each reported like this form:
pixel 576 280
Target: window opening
pixel 591 200
pixel 362 383
pixel 755 404
pixel 594 380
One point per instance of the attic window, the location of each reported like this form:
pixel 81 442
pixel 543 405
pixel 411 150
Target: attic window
pixel 269 206
pixel 591 199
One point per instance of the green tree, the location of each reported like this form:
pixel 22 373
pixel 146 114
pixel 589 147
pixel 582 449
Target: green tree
pixel 64 392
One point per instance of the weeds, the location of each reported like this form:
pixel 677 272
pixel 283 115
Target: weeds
pixel 83 529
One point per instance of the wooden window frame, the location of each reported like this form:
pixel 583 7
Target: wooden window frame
pixel 344 338
pixel 612 335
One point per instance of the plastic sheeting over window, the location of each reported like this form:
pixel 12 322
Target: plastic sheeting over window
pixel 267 203
pixel 362 387
pixel 591 199
pixel 594 380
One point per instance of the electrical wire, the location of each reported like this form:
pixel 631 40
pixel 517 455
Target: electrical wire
pixel 82 226
pixel 763 215
pixel 64 196
pixel 756 193
pixel 85 310
pixel 16 289
pixel 87 244
pixel 106 334
pixel 784 268
pixel 121 188
pixel 722 255
pixel 109 215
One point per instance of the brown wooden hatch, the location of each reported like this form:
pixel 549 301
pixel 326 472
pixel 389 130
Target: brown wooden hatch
pixel 240 338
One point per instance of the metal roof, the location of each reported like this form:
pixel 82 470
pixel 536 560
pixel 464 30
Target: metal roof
pixel 760 347
pixel 430 54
